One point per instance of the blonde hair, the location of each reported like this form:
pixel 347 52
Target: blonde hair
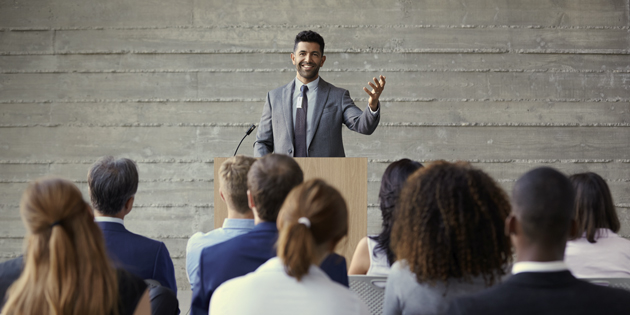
pixel 325 209
pixel 233 176
pixel 66 268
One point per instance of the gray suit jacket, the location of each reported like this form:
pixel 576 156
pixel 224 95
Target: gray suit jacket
pixel 334 108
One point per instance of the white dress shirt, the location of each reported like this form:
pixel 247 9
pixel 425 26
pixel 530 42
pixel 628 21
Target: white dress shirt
pixel 539 266
pixel 109 219
pixel 609 257
pixel 269 290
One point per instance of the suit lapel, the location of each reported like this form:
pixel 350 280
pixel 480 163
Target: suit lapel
pixel 287 108
pixel 322 97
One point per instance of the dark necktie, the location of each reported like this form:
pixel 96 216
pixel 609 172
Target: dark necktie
pixel 300 125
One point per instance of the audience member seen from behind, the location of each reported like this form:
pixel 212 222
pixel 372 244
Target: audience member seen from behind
pixel 313 219
pixel 66 268
pixel 597 252
pixel 269 181
pixel 374 255
pixel 240 219
pixel 539 226
pixel 448 236
pixel 112 185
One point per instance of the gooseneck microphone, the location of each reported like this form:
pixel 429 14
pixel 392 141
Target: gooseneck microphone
pixel 251 128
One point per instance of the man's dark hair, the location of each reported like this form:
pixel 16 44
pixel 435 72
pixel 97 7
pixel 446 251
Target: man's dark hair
pixel 269 181
pixel 112 182
pixel 594 207
pixel 543 203
pixel 311 37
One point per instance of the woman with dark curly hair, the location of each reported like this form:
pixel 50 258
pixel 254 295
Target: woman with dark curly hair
pixel 448 236
pixel 598 252
pixel 373 255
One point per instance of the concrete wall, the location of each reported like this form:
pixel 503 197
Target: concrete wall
pixel 507 85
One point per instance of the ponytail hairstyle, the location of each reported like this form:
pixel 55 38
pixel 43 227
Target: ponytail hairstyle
pixel 325 209
pixel 66 268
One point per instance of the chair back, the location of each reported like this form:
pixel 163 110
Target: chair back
pixel 371 290
pixel 619 283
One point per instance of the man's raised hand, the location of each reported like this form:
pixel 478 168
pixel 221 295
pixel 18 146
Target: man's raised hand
pixel 377 89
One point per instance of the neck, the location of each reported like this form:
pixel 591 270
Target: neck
pixel 233 214
pixel 539 253
pixel 306 81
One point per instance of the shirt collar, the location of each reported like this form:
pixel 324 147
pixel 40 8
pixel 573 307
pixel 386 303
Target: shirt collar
pixel 538 266
pixel 312 86
pixel 238 224
pixel 266 226
pixel 109 219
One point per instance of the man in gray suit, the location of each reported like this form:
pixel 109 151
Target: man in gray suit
pixel 304 117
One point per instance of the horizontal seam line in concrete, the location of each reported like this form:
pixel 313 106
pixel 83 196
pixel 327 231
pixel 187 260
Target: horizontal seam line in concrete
pixel 356 99
pixel 320 26
pixel 183 180
pixel 388 161
pixel 392 124
pixel 458 70
pixel 140 161
pixel 372 205
pixel 583 51
pixel 158 180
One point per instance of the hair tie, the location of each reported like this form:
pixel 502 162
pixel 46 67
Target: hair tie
pixel 305 221
pixel 55 223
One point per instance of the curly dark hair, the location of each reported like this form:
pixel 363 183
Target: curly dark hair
pixel 392 183
pixel 450 224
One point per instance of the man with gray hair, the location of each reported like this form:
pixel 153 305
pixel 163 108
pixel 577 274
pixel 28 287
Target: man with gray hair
pixel 112 187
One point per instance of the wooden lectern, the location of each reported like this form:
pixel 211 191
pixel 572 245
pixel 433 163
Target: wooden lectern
pixel 348 175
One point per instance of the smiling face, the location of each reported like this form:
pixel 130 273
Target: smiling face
pixel 307 59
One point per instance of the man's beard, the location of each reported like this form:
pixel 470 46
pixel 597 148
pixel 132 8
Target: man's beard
pixel 309 75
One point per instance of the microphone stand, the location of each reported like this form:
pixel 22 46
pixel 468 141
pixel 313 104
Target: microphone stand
pixel 251 128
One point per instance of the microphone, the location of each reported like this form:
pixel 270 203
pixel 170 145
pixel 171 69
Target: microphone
pixel 251 128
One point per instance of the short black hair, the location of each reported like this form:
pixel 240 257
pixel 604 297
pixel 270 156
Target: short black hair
pixel 543 203
pixel 112 182
pixel 269 181
pixel 311 37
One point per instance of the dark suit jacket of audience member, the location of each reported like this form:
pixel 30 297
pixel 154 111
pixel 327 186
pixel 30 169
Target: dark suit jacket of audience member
pixel 544 293
pixel 10 271
pixel 242 255
pixel 142 256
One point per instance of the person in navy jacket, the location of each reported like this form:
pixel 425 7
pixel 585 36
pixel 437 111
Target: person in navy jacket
pixel 269 181
pixel 112 187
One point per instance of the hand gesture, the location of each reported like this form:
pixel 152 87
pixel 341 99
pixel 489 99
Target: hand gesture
pixel 377 89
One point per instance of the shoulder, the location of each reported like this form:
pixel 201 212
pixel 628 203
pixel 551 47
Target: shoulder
pixel 332 88
pixel 222 249
pixel 280 89
pixel 130 288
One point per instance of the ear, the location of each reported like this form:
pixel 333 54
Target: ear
pixel 129 205
pixel 250 200
pixel 573 229
pixel 321 64
pixel 293 58
pixel 221 194
pixel 510 225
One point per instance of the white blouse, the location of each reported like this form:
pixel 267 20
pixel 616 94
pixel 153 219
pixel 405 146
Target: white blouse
pixel 378 262
pixel 269 290
pixel 609 257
